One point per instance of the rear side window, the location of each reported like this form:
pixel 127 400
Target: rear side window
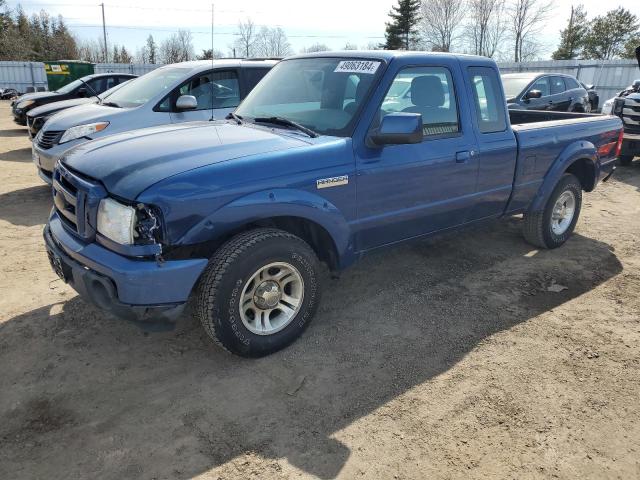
pixel 253 76
pixel 571 83
pixel 489 102
pixel 557 85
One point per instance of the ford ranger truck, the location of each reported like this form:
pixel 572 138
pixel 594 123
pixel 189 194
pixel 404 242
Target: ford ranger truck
pixel 320 163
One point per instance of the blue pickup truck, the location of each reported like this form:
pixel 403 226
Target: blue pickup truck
pixel 320 163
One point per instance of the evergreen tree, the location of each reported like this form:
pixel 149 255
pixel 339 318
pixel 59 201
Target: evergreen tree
pixel 401 31
pixel 609 34
pixel 572 38
pixel 152 49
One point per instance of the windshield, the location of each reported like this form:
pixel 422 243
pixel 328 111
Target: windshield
pixel 513 86
pixel 322 94
pixel 70 86
pixel 137 93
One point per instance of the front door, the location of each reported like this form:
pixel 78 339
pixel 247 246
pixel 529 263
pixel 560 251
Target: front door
pixel 544 102
pixel 217 93
pixel 410 190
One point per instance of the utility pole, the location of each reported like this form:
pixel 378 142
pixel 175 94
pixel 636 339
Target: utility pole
pixel 104 34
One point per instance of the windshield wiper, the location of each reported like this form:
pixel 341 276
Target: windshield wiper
pixel 233 116
pixel 110 104
pixel 287 123
pixel 95 94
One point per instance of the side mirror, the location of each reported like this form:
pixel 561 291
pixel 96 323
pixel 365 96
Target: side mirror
pixel 186 102
pixel 82 92
pixel 533 94
pixel 398 129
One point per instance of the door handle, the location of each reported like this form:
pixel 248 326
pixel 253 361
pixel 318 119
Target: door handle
pixel 463 157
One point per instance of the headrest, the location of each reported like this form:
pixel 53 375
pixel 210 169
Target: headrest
pixel 427 91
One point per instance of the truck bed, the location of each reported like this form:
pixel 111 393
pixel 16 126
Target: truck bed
pixel 543 138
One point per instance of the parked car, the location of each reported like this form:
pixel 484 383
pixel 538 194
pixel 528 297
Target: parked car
pixel 545 91
pixel 239 214
pixel 594 98
pixel 627 106
pixel 181 92
pixel 8 93
pixel 87 86
pixel 37 117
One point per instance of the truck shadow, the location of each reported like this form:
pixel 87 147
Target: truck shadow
pixel 27 207
pixel 92 395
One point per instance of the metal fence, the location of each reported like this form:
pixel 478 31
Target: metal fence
pixel 23 76
pixel 133 68
pixel 608 77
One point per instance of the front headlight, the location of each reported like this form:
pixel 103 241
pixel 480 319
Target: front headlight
pixel 607 107
pixel 82 131
pixel 116 221
pixel 25 104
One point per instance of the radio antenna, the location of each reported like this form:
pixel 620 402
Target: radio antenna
pixel 212 64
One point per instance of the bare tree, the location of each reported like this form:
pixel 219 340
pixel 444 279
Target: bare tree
pixel 440 23
pixel 271 42
pixel 90 50
pixel 316 47
pixel 486 26
pixel 177 48
pixel 247 37
pixel 350 46
pixel 527 19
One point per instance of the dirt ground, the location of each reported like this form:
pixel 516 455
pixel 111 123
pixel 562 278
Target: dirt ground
pixel 442 359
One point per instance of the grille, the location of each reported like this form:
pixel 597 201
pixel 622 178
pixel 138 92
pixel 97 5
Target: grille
pixel 48 139
pixel 76 199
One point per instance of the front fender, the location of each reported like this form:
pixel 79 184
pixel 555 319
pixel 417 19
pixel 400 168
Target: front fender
pixel 271 203
pixel 577 151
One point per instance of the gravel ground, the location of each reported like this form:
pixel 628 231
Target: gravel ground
pixel 442 359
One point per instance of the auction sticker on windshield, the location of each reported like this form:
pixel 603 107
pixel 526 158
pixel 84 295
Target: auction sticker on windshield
pixel 357 66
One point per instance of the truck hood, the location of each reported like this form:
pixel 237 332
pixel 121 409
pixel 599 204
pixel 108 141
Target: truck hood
pixel 83 114
pixel 50 108
pixel 128 163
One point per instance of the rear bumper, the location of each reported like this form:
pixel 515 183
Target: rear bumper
pixel 134 289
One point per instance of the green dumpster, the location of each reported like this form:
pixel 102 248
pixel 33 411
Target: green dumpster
pixel 62 72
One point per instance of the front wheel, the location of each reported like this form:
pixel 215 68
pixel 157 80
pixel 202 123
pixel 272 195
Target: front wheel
pixel 259 292
pixel 625 160
pixel 553 226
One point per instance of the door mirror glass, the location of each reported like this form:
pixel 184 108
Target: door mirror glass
pixel 186 102
pixel 398 128
pixel 533 94
pixel 82 92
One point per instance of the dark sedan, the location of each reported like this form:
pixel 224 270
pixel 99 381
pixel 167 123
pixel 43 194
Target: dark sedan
pixel 87 86
pixel 545 91
pixel 36 117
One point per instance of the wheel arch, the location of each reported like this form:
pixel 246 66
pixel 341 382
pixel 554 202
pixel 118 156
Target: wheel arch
pixel 306 215
pixel 580 159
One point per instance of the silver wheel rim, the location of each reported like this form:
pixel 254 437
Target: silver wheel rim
pixel 563 212
pixel 271 298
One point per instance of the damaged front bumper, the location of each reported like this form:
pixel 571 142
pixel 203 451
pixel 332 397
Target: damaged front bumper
pixel 140 290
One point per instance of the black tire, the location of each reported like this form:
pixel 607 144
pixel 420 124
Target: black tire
pixel 217 302
pixel 625 160
pixel 538 225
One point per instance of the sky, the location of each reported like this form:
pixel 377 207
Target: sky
pixel 331 22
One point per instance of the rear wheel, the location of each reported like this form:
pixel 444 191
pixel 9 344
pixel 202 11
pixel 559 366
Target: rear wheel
pixel 259 292
pixel 553 226
pixel 625 160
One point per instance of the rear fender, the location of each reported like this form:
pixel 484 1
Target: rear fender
pixel 269 204
pixel 578 151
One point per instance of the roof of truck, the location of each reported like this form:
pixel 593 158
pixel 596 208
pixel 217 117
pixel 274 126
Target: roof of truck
pixel 387 55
